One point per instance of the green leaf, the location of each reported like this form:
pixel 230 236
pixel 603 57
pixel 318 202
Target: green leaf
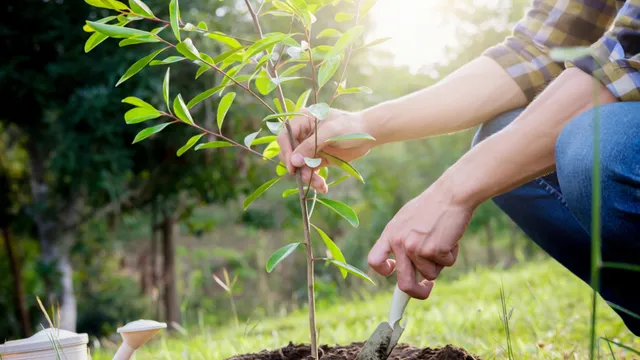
pixel 327 70
pixel 345 166
pixel 288 192
pixel 116 31
pixel 140 8
pixel 263 140
pixel 214 145
pixel 138 115
pixel 302 100
pixel 338 181
pixel 320 110
pixel 165 89
pixel 107 4
pixel 189 144
pixel 181 110
pixel 280 255
pixel 334 250
pixel 225 39
pixel 248 140
pixel 342 17
pixel 569 53
pixel 224 106
pixel 323 172
pixel 202 69
pixel 345 40
pixel 138 65
pixel 375 42
pixel 355 90
pixel 265 43
pixel 292 69
pixel 203 26
pixel 271 150
pixel 352 269
pixel 264 84
pixel 259 191
pixel 283 116
pixel 329 33
pixel 149 131
pixel 105 20
pixel 94 40
pixel 226 55
pixel 187 49
pixel 283 6
pixel 281 170
pixel 174 17
pixel 312 163
pixel 342 209
pixel 203 96
pixel 274 127
pixel 138 102
pixel 189 27
pixel 353 136
pixel 231 73
pixel 167 61
pixel 138 40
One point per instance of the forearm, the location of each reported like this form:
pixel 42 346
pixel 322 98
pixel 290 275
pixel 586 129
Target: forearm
pixel 525 149
pixel 469 96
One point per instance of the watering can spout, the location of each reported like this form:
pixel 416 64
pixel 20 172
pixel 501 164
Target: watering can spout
pixel 134 335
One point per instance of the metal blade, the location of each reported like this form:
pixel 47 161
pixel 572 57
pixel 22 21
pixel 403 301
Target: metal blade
pixel 376 348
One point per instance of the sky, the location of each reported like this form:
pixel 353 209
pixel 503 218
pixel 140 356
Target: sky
pixel 417 37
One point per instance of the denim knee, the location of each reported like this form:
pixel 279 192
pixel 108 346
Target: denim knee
pixel 619 165
pixel 493 126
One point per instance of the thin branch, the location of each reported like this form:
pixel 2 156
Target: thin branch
pixel 235 143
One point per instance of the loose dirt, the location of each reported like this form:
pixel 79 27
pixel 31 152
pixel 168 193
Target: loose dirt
pixel 349 352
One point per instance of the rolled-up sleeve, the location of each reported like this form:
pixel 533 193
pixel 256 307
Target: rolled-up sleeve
pixel 615 58
pixel 524 55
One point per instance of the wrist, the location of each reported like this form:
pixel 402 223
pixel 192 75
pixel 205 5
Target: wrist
pixel 374 122
pixel 458 187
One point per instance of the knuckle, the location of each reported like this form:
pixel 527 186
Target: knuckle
pixel 412 246
pixel 396 242
pixel 405 286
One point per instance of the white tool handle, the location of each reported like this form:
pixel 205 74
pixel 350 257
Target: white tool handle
pixel 398 304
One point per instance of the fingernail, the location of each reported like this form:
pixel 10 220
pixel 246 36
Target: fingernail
pixel 297 160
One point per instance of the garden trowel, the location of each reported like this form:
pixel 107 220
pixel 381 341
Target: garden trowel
pixel 386 335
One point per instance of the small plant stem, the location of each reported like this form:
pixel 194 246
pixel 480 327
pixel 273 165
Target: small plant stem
pixel 596 257
pixel 303 204
pixel 235 143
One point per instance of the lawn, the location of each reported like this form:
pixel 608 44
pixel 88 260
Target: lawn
pixel 550 320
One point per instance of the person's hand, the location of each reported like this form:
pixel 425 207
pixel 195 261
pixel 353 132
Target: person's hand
pixel 337 123
pixel 423 236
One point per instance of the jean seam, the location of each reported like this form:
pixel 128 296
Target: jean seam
pixel 552 191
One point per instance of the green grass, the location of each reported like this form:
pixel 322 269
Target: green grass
pixel 550 320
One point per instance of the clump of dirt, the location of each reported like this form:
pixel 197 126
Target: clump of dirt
pixel 350 352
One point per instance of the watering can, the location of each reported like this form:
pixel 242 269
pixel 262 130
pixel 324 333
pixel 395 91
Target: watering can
pixel 53 344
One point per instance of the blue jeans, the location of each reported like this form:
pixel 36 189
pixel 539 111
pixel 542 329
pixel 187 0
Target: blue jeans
pixel 555 210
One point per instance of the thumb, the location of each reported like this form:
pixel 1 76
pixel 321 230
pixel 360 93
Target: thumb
pixel 308 147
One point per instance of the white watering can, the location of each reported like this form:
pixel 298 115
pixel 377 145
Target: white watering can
pixel 72 346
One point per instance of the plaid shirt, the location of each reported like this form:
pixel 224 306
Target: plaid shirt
pixel 610 27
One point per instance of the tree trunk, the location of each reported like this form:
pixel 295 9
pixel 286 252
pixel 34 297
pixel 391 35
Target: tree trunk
pixel 491 252
pixel 18 292
pixel 172 312
pixel 52 251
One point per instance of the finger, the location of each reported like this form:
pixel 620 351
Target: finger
pixel 317 182
pixel 378 258
pixel 313 144
pixel 406 275
pixel 299 128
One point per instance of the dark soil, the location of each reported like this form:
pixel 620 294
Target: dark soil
pixel 349 352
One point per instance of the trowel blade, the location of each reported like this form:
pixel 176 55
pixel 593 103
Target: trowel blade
pixel 376 348
pixel 395 336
